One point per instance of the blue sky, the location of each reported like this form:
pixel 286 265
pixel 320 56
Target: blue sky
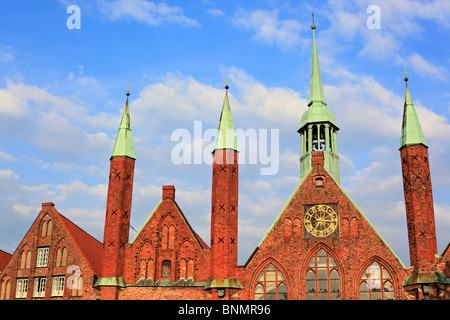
pixel 62 93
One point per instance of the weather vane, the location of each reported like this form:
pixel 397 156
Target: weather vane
pixel 226 83
pixel 406 79
pixel 128 92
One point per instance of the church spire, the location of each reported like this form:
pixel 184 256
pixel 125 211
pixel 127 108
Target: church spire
pixel 318 129
pixel 124 146
pixel 316 88
pixel 412 133
pixel 226 136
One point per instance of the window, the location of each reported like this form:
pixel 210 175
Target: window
pixel 322 278
pixel 58 286
pixel 21 288
pixel 376 284
pixel 61 257
pixel 271 285
pixel 39 287
pixel 46 227
pixel 6 286
pixel 166 266
pixel 77 288
pixel 319 182
pixel 42 258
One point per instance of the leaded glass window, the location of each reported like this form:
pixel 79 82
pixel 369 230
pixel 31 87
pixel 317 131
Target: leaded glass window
pixel 322 278
pixel 271 285
pixel 376 284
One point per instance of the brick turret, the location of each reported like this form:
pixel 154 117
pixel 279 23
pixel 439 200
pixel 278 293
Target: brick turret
pixel 118 210
pixel 424 278
pixel 224 208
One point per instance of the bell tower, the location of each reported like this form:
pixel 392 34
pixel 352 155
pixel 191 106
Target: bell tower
pixel 118 210
pixel 224 208
pixel 318 129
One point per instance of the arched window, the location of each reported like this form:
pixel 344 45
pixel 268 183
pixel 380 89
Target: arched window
pixel 271 285
pixel 5 289
pixel 46 226
pixel 61 257
pixel 322 278
pixel 376 284
pixel 146 261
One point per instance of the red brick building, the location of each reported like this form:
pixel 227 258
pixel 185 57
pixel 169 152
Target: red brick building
pixel 320 246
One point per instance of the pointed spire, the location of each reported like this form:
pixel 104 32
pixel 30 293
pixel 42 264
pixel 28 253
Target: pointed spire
pixel 316 89
pixel 124 141
pixel 412 133
pixel 317 111
pixel 226 136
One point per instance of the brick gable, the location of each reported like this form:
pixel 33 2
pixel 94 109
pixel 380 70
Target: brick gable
pixel 354 244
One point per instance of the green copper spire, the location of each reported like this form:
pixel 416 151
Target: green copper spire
pixel 412 133
pixel 124 141
pixel 317 111
pixel 315 89
pixel 226 137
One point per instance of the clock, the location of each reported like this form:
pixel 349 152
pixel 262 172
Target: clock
pixel 320 220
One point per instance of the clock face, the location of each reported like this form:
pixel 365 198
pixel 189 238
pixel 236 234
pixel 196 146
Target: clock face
pixel 320 220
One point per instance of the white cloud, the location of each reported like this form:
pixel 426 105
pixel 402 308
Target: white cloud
pixel 144 11
pixel 268 27
pixel 215 12
pixel 7 156
pixel 426 68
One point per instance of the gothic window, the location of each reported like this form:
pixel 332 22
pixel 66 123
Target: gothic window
pixel 376 284
pixel 287 228
pixel 25 259
pixel 322 278
pixel 61 257
pixel 271 285
pixel 164 237
pixel 171 239
pixel 168 237
pixel 187 255
pixel 297 227
pixel 46 227
pixel 166 269
pixel 354 228
pixel 77 288
pixel 5 289
pixel 146 261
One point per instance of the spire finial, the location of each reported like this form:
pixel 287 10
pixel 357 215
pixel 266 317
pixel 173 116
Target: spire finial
pixel 226 83
pixel 128 92
pixel 313 26
pixel 406 79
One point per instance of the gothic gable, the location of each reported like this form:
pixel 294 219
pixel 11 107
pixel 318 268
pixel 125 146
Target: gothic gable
pixel 166 248
pixel 319 215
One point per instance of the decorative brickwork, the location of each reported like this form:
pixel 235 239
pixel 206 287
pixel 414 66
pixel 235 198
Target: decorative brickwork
pixel 117 224
pixel 419 207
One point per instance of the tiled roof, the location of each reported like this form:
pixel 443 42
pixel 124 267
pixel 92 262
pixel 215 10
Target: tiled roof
pixel 91 248
pixel 4 259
